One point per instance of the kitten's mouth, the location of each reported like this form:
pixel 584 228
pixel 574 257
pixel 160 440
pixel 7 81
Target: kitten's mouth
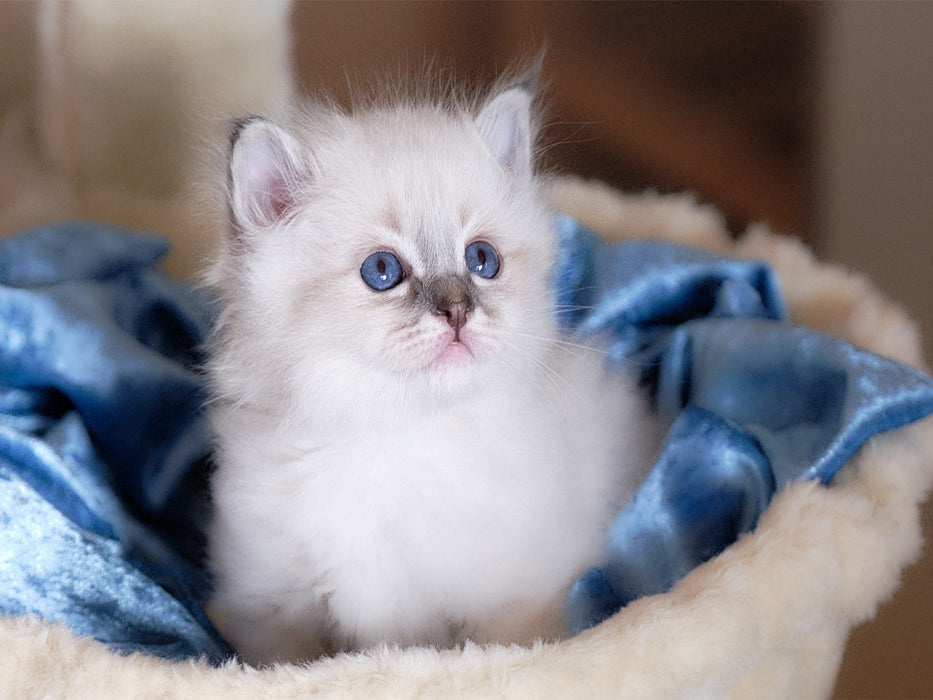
pixel 454 354
pixel 456 345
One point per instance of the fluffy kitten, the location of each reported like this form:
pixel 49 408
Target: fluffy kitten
pixel 408 452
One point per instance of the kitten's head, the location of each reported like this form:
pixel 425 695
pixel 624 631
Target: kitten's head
pixel 396 250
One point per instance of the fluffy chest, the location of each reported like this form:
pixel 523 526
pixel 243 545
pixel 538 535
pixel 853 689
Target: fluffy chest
pixel 443 471
pixel 416 511
pixel 398 526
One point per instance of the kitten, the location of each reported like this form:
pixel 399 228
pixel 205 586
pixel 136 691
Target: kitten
pixel 408 451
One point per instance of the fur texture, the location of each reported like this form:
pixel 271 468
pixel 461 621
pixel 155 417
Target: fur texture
pixel 408 452
pixel 767 618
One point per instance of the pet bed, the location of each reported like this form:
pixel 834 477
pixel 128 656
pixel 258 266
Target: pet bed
pixel 779 515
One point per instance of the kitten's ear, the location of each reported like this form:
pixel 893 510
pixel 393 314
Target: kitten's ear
pixel 266 165
pixel 506 128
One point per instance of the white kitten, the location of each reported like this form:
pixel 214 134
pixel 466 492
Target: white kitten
pixel 407 450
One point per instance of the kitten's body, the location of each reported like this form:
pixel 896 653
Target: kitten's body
pixel 421 464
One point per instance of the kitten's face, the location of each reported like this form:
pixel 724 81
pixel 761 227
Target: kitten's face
pixel 402 251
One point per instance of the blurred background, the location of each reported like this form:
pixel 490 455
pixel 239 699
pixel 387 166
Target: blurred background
pixel 816 118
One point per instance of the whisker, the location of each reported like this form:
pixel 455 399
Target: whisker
pixel 557 380
pixel 571 346
pixel 563 343
pixel 549 385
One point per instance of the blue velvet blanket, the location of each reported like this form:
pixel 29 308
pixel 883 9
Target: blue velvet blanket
pixel 104 452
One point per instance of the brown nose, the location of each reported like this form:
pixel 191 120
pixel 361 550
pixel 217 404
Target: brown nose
pixel 451 298
pixel 456 311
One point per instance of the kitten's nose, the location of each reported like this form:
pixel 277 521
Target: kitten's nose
pixel 452 299
pixel 456 312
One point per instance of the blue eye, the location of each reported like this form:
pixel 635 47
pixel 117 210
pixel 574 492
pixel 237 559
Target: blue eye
pixel 482 259
pixel 382 271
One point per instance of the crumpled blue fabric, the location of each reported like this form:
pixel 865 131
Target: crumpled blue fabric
pixel 104 447
pixel 103 444
pixel 752 402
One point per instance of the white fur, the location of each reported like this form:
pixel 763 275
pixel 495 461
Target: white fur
pixel 378 479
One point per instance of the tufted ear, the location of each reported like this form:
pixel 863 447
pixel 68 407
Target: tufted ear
pixel 506 128
pixel 266 164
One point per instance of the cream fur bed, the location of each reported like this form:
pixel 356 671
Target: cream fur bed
pixel 769 617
